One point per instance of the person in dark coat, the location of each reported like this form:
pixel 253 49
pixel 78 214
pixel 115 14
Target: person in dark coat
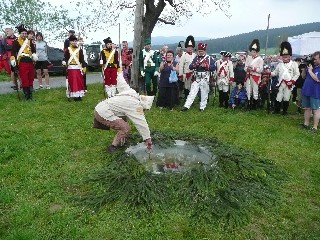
pixel 239 72
pixel 168 91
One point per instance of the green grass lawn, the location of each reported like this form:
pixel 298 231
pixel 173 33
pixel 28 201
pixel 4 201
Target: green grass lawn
pixel 4 76
pixel 48 149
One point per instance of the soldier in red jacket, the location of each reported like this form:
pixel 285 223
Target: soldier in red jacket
pixel 5 54
pixel 126 58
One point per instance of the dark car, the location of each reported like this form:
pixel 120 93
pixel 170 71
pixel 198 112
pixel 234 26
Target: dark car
pixel 93 56
pixel 56 56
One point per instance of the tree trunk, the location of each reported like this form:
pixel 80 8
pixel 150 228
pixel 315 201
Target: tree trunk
pixel 139 12
pixel 151 17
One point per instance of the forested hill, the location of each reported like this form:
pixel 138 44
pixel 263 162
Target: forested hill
pixel 241 42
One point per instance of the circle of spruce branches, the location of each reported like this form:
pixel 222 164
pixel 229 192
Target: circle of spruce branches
pixel 237 183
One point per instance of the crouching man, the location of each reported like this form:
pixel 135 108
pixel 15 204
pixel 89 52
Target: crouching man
pixel 113 112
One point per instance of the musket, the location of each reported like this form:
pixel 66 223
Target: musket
pixel 269 90
pixel 15 70
pixel 68 89
pixel 103 86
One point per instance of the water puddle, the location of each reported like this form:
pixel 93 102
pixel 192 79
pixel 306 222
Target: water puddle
pixel 179 157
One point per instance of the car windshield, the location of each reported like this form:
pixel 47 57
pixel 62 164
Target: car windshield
pixel 55 54
pixel 93 48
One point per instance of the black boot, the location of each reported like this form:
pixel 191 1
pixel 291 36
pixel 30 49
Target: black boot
pixel 226 99
pixel 26 92
pixel 254 104
pixel 285 107
pixel 186 93
pixel 249 104
pixel 277 107
pixel 30 93
pixel 220 98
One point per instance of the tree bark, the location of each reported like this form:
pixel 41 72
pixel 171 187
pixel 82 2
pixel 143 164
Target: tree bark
pixel 151 17
pixel 139 13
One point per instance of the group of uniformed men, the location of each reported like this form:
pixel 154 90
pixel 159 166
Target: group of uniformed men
pixel 198 69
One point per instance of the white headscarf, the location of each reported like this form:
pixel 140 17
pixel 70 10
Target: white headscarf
pixel 124 89
pixel 146 101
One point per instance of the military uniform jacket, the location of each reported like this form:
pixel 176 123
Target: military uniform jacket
pixel 114 60
pixel 287 72
pixel 257 65
pixel 184 64
pixel 224 70
pixel 148 59
pixel 26 53
pixel 198 61
pixel 79 56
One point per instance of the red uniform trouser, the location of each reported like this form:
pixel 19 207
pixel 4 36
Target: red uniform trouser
pixel 26 73
pixel 4 63
pixel 110 76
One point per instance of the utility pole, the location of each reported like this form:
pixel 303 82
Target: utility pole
pixel 120 56
pixel 138 21
pixel 265 51
pixel 269 80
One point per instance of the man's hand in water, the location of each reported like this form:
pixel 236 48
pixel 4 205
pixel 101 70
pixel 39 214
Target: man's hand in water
pixel 148 143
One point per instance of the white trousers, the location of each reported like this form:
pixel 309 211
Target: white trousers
pixel 223 84
pixel 252 88
pixel 110 90
pixel 203 85
pixel 284 93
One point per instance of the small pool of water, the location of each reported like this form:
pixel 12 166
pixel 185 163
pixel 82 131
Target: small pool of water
pixel 176 158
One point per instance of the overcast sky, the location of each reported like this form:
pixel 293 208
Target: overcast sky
pixel 247 16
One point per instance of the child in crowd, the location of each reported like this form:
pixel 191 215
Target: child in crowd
pixel 238 97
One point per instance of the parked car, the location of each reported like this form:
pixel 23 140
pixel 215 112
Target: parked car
pixel 93 56
pixel 56 56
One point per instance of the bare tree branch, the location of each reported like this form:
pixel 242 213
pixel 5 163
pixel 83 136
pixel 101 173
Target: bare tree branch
pixel 122 5
pixel 166 22
pixel 171 3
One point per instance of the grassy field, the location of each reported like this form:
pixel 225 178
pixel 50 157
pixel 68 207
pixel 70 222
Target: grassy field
pixel 48 149
pixel 4 76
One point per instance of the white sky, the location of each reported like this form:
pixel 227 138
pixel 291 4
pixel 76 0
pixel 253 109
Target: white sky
pixel 247 16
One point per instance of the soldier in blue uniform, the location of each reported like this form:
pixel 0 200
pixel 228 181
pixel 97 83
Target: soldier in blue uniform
pixel 202 65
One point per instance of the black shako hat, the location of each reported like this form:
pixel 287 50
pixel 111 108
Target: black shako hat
pixel 190 42
pixel 21 28
pixel 285 48
pixel 72 38
pixel 255 45
pixel 107 40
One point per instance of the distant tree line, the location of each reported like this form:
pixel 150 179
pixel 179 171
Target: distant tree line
pixel 241 42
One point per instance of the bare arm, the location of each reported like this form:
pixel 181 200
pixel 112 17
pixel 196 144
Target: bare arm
pixel 176 68
pixel 161 66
